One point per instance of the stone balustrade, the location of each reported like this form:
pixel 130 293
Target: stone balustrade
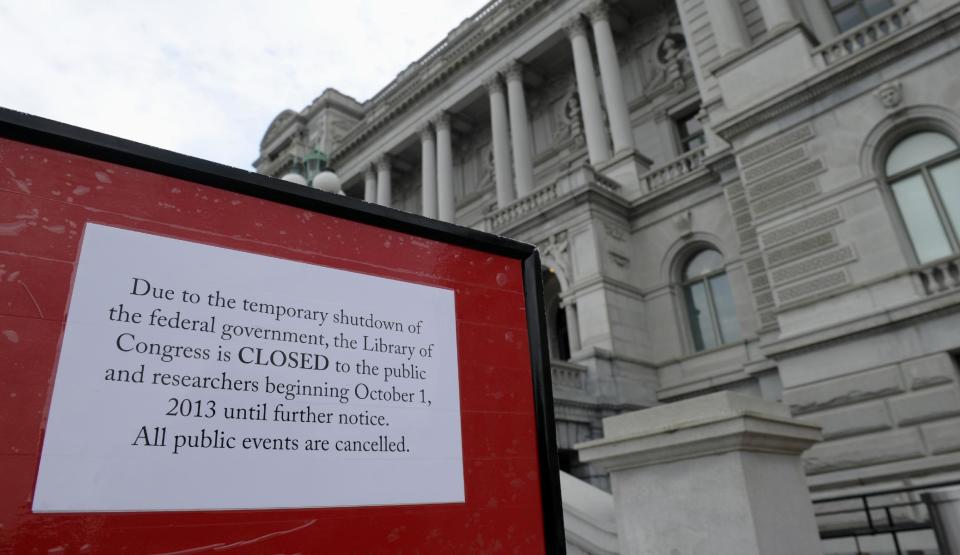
pixel 576 178
pixel 531 203
pixel 866 35
pixel 568 374
pixel 940 276
pixel 667 174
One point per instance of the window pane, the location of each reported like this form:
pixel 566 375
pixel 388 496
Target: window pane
pixel 724 308
pixel 698 314
pixel 920 216
pixel 917 149
pixel 947 178
pixel 849 18
pixel 876 7
pixel 702 264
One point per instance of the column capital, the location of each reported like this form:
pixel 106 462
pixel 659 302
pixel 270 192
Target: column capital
pixel 426 132
pixel 442 121
pixel 513 70
pixel 598 11
pixel 575 27
pixel 370 172
pixel 493 84
pixel 383 163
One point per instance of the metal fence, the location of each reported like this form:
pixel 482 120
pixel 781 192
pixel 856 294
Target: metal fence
pixel 894 519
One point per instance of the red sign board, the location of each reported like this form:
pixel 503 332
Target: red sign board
pixel 125 428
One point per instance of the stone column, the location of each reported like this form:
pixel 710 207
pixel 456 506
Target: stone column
pixel 384 185
pixel 944 507
pixel 597 147
pixel 370 185
pixel 727 23
pixel 573 325
pixel 445 205
pixel 428 163
pixel 776 13
pixel 500 135
pixel 520 129
pixel 719 473
pixel 617 112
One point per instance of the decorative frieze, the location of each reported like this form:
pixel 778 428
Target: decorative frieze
pixel 801 248
pixel 793 175
pixel 775 145
pixel 775 164
pixel 812 265
pixel 765 299
pixel 813 287
pixel 801 227
pixel 785 198
pixel 768 317
pixel 743 219
pixel 755 265
pixel 739 204
pixel 759 281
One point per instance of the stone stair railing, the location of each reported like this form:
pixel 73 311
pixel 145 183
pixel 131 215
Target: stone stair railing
pixel 866 35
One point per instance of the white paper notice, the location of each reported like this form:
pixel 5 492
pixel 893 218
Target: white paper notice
pixel 194 377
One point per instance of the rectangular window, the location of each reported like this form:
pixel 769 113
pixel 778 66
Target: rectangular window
pixel 689 130
pixel 847 14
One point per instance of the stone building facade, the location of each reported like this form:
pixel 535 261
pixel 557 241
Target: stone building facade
pixel 751 195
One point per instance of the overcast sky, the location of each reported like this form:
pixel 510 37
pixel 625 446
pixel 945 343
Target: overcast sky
pixel 205 77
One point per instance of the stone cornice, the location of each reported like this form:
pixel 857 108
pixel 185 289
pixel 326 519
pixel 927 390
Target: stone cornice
pixel 921 34
pixel 872 324
pixel 437 66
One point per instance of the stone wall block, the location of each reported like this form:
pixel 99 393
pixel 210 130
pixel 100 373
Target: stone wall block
pixel 942 437
pixel 864 451
pixel 926 405
pixel 857 419
pixel 872 384
pixel 929 371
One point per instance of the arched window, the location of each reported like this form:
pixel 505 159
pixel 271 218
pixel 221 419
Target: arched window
pixel 924 174
pixel 709 301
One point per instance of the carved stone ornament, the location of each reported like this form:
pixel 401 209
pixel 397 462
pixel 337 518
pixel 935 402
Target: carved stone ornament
pixel 619 259
pixel 493 84
pixel 615 232
pixel 575 27
pixel 513 70
pixel 426 132
pixel 597 11
pixel 683 222
pixel 442 121
pixel 556 249
pixel 890 94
